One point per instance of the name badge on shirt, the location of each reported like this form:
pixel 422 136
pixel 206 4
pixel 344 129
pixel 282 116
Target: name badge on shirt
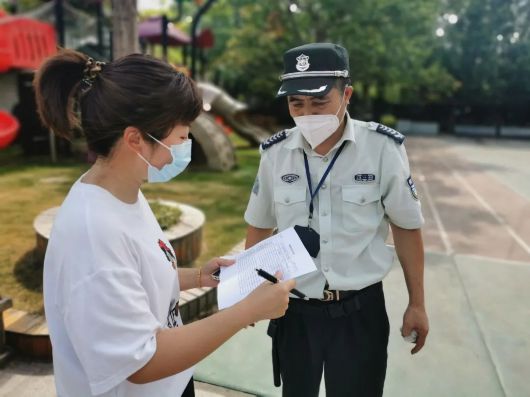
pixel 364 178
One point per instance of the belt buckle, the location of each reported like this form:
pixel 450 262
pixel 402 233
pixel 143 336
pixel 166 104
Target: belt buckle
pixel 331 295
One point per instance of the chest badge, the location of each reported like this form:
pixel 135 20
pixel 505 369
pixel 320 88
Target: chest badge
pixel 364 178
pixel 290 178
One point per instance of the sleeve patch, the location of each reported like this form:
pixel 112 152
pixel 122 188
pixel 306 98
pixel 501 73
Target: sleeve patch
pixel 412 188
pixel 390 132
pixel 255 188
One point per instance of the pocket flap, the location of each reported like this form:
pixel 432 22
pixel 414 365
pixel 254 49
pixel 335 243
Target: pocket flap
pixel 289 196
pixel 361 194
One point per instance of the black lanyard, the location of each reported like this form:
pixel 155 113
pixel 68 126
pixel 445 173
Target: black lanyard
pixel 308 175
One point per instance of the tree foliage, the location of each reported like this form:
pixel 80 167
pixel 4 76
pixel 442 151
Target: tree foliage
pixel 488 51
pixel 395 53
pixel 391 44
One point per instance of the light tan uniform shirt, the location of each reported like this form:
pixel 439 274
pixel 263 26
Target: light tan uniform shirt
pixel 368 187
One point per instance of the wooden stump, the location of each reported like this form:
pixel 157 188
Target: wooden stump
pixel 185 237
pixel 43 226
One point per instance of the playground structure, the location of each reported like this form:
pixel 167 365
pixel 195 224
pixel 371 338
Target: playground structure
pixel 215 149
pixel 151 31
pixel 9 126
pixel 24 44
pixel 233 112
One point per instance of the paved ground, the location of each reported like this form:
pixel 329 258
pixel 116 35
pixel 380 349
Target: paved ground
pixel 476 201
pixel 30 379
pixel 476 196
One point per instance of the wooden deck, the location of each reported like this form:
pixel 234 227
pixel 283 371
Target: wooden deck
pixel 27 334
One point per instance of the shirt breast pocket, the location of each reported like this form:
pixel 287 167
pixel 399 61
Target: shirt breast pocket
pixel 361 207
pixel 290 206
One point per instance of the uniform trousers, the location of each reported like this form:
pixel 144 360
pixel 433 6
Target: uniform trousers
pixel 346 340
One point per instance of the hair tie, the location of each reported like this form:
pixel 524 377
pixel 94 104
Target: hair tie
pixel 91 71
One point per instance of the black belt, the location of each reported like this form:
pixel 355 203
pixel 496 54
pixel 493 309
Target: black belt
pixel 331 295
pixel 347 302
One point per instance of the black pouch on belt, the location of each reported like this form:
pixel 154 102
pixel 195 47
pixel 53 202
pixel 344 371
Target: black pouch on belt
pixel 272 331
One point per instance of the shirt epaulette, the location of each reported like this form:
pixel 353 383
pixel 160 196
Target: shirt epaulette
pixel 398 137
pixel 273 140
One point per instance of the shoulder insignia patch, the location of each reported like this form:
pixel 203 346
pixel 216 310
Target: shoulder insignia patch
pixel 273 140
pixel 383 129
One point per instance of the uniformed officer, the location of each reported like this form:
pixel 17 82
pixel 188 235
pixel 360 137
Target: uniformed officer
pixel 340 182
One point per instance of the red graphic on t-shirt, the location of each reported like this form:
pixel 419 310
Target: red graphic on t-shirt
pixel 169 253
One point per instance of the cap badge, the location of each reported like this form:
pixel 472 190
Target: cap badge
pixel 302 63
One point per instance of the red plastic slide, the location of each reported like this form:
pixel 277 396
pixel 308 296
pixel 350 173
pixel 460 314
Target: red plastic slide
pixel 24 42
pixel 9 127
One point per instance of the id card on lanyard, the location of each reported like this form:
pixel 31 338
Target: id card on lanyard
pixel 310 238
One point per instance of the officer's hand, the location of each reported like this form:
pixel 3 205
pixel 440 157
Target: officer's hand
pixel 269 301
pixel 415 318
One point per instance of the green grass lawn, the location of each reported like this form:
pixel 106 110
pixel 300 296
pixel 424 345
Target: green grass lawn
pixel 28 186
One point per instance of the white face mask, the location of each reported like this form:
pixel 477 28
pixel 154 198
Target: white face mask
pixel 181 157
pixel 316 128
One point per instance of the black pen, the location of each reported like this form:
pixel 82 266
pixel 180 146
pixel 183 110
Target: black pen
pixel 272 279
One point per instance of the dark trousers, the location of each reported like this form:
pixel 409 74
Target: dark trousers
pixel 347 340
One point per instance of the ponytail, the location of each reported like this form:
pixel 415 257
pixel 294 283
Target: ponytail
pixel 74 91
pixel 56 85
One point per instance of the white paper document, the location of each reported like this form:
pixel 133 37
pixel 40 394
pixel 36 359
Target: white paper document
pixel 283 251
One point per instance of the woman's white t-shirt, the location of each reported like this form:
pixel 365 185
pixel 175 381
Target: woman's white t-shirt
pixel 110 283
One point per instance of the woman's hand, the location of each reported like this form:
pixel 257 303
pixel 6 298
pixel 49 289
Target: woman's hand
pixel 211 267
pixel 268 301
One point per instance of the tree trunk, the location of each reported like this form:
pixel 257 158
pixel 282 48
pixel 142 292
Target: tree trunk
pixel 124 28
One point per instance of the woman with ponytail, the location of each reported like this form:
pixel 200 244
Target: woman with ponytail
pixel 111 284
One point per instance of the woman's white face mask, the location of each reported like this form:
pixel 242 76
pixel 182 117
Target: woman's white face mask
pixel 316 128
pixel 181 157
